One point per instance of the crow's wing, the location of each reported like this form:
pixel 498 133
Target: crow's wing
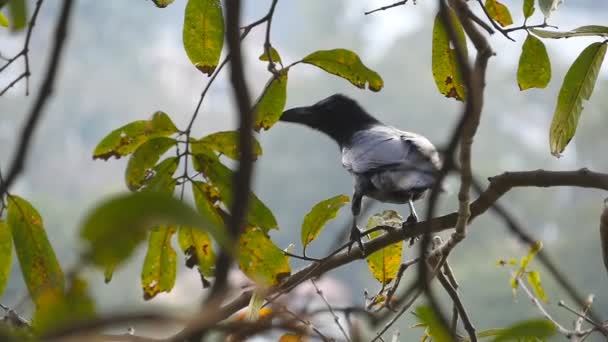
pixel 387 148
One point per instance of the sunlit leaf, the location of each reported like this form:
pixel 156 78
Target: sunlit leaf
pixel 18 12
pixel 126 139
pixel 526 260
pixel 270 104
pixel 534 280
pixel 589 30
pixel 540 328
pixel 534 69
pixel 162 3
pixel 319 215
pixel 221 177
pixel 160 265
pixel 274 54
pixel 6 254
pixel 3 20
pixel 260 259
pixel 39 266
pixel 578 86
pixel 346 64
pixel 444 63
pixel 225 143
pixel 75 305
pixel 528 8
pixel 549 6
pixel 161 177
pixel 384 264
pixel 203 34
pixel 435 329
pixel 144 159
pixel 118 225
pixel 499 12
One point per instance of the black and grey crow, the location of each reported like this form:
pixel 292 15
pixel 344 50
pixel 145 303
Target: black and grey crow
pixel 388 164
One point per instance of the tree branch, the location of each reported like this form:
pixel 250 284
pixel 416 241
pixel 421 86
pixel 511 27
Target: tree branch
pixel 604 234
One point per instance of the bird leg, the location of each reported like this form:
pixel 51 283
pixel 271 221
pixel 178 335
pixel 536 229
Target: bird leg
pixel 413 218
pixel 355 233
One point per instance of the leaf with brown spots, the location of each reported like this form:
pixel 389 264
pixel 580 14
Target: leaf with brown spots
pixel 260 259
pixel 269 106
pixel 160 265
pixel 384 264
pixel 126 139
pixel 444 64
pixel 144 158
pixel 39 265
pixel 225 143
pixel 203 34
pixel 499 12
pixel 6 254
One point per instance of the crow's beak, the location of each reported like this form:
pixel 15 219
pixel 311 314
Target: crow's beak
pixel 301 115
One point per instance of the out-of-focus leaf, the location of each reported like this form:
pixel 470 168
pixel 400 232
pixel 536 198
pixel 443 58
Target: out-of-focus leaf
pixel 160 265
pixel 534 280
pixel 435 329
pixel 270 104
pixel 534 69
pixel 221 176
pixel 384 264
pixel 319 215
pixel 589 30
pixel 161 177
pixel 6 254
pixel 225 143
pixel 499 12
pixel 446 73
pixel 255 306
pixel 203 34
pixel 549 6
pixel 3 20
pixel 348 65
pixel 71 307
pixel 274 54
pixel 291 338
pixel 126 139
pixel 162 3
pixel 260 259
pixel 18 12
pixel 39 266
pixel 540 328
pixel 144 158
pixel 528 8
pixel 115 227
pixel 578 86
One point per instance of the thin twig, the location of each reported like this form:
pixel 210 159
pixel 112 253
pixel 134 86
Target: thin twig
pixel 384 8
pixel 267 45
pixel 468 326
pixel 331 310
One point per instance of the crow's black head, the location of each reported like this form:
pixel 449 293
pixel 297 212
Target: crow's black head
pixel 337 116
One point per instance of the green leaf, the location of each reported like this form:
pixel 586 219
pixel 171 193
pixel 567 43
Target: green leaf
pixel 75 305
pixel 540 328
pixel 126 139
pixel 6 254
pixel 221 177
pixel 384 264
pixel 444 63
pixel 161 178
pixel 499 12
pixel 225 143
pixel 203 34
pixel 270 104
pixel 319 215
pixel 160 265
pixel 3 20
pixel 589 30
pixel 534 69
pixel 39 266
pixel 435 329
pixel 198 249
pixel 528 8
pixel 534 280
pixel 118 225
pixel 548 6
pixel 578 86
pixel 18 13
pixel 260 259
pixel 144 158
pixel 162 3
pixel 274 54
pixel 348 65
